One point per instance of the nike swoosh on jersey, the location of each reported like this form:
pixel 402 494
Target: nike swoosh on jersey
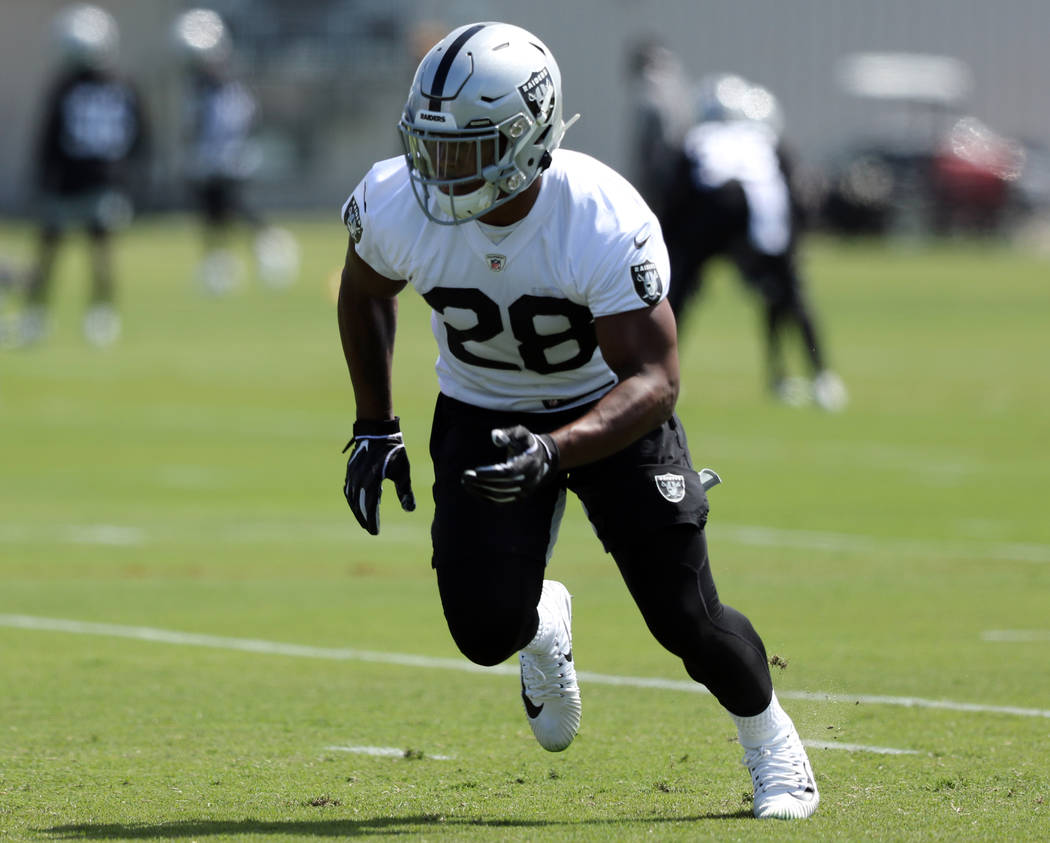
pixel 641 239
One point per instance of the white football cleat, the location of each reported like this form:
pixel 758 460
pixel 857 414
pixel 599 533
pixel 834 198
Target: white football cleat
pixel 32 326
pixel 793 391
pixel 102 325
pixel 548 676
pixel 784 785
pixel 829 392
pixel 277 257
pixel 220 272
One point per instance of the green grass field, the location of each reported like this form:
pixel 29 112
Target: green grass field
pixel 198 642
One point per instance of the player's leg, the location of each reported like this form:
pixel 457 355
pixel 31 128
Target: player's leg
pixel 774 280
pixel 39 288
pixel 790 305
pixel 669 576
pixel 490 560
pixel 32 323
pixel 489 557
pixel 721 649
pixel 649 509
pixel 796 304
pixel 102 323
pixel 103 290
pixel 220 270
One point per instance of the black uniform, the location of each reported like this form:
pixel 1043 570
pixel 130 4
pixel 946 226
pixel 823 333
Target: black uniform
pixel 92 140
pixel 93 132
pixel 221 156
pixel 734 198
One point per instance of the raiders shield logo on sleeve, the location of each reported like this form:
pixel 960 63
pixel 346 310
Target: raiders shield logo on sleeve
pixel 671 486
pixel 647 283
pixel 352 218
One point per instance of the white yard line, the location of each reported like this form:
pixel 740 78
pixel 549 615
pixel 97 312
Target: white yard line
pixel 1016 636
pixel 382 752
pixel 857 747
pixel 336 532
pixel 253 645
pixel 852 543
pixel 395 752
pixel 101 534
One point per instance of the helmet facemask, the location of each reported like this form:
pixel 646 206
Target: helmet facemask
pixel 456 172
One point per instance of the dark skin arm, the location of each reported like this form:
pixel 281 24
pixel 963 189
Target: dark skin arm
pixel 641 347
pixel 367 311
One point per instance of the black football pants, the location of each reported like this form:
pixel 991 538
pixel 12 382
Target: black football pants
pixel 649 510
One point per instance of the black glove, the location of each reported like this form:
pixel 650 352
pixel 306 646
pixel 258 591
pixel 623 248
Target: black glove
pixel 532 460
pixel 378 452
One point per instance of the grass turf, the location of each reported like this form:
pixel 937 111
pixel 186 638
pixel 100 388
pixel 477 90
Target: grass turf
pixel 188 480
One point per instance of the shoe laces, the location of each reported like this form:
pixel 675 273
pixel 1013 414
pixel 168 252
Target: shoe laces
pixel 543 684
pixel 777 767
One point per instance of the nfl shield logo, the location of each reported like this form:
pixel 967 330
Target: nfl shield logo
pixel 671 486
pixel 496 262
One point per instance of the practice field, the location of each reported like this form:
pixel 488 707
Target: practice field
pixel 197 641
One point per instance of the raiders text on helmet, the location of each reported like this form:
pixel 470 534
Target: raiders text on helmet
pixel 483 116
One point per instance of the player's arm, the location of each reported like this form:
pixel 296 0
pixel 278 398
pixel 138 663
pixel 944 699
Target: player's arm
pixel 641 347
pixel 367 311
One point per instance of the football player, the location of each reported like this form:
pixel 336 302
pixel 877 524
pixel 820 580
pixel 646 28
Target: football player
pixel 221 157
pixel 734 197
pixel 93 134
pixel 547 276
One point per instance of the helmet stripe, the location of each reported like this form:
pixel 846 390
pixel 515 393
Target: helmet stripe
pixel 437 90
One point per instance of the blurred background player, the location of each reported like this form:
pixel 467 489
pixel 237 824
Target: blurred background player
pixel 662 116
pixel 11 281
pixel 222 157
pixel 733 196
pixel 92 135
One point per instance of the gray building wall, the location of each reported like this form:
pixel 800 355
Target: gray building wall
pixel 331 96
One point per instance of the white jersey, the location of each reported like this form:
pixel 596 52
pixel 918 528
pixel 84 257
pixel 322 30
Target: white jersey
pixel 514 320
pixel 747 152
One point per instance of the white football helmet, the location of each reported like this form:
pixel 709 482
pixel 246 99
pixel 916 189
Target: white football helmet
pixel 727 97
pixel 720 97
pixel 202 37
pixel 86 34
pixel 482 118
pixel 762 106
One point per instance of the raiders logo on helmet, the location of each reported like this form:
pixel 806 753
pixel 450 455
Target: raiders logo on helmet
pixel 647 282
pixel 538 94
pixel 352 219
